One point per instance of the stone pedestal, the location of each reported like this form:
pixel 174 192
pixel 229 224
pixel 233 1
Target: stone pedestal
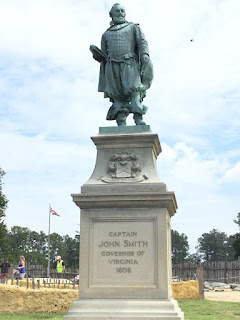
pixel 125 234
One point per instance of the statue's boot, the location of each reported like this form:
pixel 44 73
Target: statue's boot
pixel 136 105
pixel 138 119
pixel 117 106
pixel 137 108
pixel 121 118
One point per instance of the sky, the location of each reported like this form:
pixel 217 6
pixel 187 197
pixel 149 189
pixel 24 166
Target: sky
pixel 50 107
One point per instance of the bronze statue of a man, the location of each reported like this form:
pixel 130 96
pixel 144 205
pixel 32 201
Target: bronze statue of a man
pixel 126 70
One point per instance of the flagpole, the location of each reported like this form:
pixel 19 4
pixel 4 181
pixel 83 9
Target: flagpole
pixel 48 269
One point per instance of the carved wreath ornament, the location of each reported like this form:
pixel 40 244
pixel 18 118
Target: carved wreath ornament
pixel 124 167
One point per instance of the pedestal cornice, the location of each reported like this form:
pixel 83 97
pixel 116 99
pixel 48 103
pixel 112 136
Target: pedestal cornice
pixel 135 199
pixel 133 140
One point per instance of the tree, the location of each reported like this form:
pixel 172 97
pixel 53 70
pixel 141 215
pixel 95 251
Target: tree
pixel 3 228
pixel 214 246
pixel 19 238
pixel 193 258
pixel 57 248
pixel 236 246
pixel 37 253
pixel 38 242
pixel 237 221
pixel 235 239
pixel 72 254
pixel 34 246
pixel 180 247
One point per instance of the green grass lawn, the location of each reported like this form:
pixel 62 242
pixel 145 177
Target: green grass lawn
pixel 31 316
pixel 193 309
pixel 209 310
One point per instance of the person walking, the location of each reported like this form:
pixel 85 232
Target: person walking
pixel 21 267
pixel 4 269
pixel 60 267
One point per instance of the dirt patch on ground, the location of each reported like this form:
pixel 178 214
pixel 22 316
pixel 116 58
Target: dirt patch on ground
pixel 232 296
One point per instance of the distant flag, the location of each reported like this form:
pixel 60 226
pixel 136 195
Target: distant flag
pixel 53 212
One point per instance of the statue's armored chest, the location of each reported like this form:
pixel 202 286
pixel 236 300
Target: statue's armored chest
pixel 121 41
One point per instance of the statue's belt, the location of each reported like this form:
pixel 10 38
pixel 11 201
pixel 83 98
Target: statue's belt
pixel 125 58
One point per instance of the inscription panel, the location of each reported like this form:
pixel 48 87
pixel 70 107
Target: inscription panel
pixel 122 253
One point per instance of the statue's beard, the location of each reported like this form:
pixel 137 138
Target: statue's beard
pixel 118 20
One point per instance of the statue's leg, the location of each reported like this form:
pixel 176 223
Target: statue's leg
pixel 136 102
pixel 119 112
pixel 137 108
pixel 121 118
pixel 138 119
pixel 122 112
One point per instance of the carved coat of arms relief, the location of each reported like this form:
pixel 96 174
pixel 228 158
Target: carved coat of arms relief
pixel 124 167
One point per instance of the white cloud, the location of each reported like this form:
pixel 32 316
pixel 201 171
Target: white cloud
pixel 232 174
pixel 39 172
pixel 204 201
pixel 57 29
pixel 49 105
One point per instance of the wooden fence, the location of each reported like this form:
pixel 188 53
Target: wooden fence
pixel 222 271
pixel 42 283
pixel 38 271
pixel 227 272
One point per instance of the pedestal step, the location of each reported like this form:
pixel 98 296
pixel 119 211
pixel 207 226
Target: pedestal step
pixel 117 309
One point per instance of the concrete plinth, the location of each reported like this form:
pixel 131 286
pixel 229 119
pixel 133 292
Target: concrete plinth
pixel 125 233
pixel 121 309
